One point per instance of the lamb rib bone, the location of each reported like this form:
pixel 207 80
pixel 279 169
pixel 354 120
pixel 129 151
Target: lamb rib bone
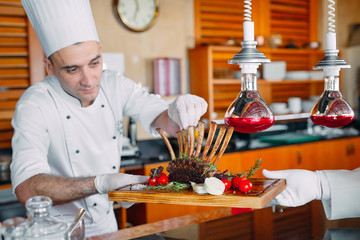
pixel 201 129
pixel 180 142
pixel 224 144
pixel 191 136
pixel 210 137
pixel 167 142
pixel 217 144
pixel 186 141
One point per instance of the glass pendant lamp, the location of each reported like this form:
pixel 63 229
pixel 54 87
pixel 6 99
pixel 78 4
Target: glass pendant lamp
pixel 249 113
pixel 331 110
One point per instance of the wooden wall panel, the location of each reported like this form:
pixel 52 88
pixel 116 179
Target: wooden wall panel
pixel 291 19
pixel 14 64
pixel 216 22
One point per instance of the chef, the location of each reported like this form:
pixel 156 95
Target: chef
pixel 68 128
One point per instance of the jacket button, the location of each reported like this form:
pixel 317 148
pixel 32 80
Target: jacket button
pixel 68 116
pixel 102 105
pixel 114 137
pixel 77 151
pixel 95 204
pixel 114 167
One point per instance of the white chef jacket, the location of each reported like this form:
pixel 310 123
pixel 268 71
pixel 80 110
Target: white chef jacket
pixel 53 134
pixel 345 194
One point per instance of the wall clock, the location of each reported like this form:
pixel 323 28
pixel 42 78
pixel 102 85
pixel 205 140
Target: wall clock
pixel 136 15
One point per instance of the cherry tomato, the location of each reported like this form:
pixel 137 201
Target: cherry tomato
pixel 227 184
pixel 152 181
pixel 245 186
pixel 161 174
pixel 236 182
pixel 163 180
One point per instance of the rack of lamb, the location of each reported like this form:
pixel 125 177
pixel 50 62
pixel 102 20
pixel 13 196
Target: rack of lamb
pixel 195 165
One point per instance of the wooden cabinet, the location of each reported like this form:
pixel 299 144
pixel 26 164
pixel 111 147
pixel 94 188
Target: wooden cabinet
pixel 217 22
pixel 212 78
pixel 321 155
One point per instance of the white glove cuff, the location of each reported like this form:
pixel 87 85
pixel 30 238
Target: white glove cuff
pixel 324 185
pixel 99 184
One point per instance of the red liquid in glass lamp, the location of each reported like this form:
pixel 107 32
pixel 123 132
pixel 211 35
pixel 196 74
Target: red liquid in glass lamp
pixel 249 125
pixel 332 110
pixel 249 113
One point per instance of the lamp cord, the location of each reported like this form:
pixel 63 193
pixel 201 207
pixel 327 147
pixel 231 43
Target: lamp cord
pixel 247 10
pixel 331 16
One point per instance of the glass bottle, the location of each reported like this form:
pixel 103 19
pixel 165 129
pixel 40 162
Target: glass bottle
pixel 332 110
pixel 249 113
pixel 40 224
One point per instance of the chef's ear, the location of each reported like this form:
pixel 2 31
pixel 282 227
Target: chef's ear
pixel 48 66
pixel 100 48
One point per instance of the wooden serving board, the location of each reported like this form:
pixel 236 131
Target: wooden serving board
pixel 264 190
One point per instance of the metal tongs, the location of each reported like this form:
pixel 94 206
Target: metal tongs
pixel 79 216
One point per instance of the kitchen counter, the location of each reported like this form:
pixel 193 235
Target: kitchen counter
pixel 305 222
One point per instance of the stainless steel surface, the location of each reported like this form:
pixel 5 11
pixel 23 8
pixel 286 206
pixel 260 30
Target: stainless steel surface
pixel 128 150
pixel 249 54
pixel 132 132
pixel 331 59
pixel 5 161
pixel 6 196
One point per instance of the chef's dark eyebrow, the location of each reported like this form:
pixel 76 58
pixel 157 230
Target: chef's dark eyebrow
pixel 73 66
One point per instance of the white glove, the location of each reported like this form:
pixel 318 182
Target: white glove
pixel 111 182
pixel 186 110
pixel 302 186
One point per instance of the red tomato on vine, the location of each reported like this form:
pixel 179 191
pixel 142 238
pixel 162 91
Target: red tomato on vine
pixel 227 184
pixel 152 181
pixel 245 186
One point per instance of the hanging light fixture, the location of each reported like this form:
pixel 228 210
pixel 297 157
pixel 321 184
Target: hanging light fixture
pixel 331 110
pixel 249 113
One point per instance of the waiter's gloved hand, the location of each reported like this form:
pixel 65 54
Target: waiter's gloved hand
pixel 302 186
pixel 186 110
pixel 113 181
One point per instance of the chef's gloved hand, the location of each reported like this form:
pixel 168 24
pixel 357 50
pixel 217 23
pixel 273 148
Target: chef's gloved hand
pixel 302 186
pixel 113 181
pixel 186 110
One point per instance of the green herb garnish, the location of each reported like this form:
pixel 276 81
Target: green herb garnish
pixel 252 170
pixel 172 186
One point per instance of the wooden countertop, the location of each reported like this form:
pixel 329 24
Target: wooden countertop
pixel 165 225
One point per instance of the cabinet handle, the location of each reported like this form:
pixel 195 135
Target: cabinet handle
pixel 299 155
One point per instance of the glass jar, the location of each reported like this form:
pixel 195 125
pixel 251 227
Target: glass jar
pixel 40 225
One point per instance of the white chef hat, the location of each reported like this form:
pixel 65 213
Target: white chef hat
pixel 61 23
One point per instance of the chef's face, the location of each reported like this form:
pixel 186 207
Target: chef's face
pixel 78 68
